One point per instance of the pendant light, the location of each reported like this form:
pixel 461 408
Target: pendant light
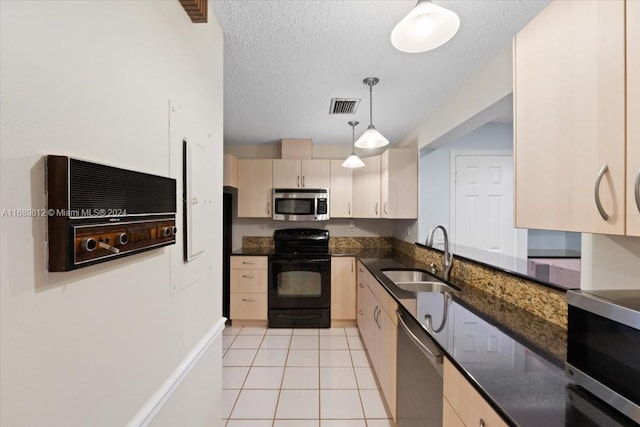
pixel 426 27
pixel 353 161
pixel 371 138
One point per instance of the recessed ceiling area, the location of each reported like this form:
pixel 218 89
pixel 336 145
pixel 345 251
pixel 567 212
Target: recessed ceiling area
pixel 286 60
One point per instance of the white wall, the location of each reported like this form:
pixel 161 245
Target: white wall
pixel 93 80
pixel 610 262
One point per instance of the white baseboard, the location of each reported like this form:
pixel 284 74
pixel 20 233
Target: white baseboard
pixel 163 394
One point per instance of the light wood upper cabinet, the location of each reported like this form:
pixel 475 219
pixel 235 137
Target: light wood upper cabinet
pixel 254 188
pixel 399 183
pixel 366 189
pixel 296 173
pixel 633 118
pixel 569 97
pixel 340 191
pixel 465 402
pixel 343 288
pixel 230 176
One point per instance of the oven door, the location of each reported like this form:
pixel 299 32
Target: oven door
pixel 299 281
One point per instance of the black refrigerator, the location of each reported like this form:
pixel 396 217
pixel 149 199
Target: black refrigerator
pixel 227 244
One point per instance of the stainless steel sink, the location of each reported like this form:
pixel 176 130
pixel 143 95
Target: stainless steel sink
pixel 417 281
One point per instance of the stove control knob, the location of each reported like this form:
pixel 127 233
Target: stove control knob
pixel 122 238
pixel 166 231
pixel 174 230
pixel 89 244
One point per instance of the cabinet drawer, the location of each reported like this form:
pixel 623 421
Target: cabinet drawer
pixel 248 281
pixel 248 306
pixel 466 401
pixel 248 262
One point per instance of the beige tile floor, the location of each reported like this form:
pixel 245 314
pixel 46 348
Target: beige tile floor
pixel 299 378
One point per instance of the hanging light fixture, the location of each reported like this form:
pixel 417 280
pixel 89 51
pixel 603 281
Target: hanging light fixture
pixel 371 138
pixel 426 27
pixel 353 161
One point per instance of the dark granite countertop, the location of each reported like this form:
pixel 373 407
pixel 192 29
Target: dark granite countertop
pixel 513 358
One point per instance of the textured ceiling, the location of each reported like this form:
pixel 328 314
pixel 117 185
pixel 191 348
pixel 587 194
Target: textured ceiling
pixel 285 60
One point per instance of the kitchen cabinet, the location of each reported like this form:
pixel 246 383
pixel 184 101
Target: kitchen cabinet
pixel 230 168
pixel 399 183
pixel 340 190
pixel 248 288
pixel 305 173
pixel 343 288
pixel 254 188
pixel 633 113
pixel 463 405
pixel 378 327
pixel 569 110
pixel 366 189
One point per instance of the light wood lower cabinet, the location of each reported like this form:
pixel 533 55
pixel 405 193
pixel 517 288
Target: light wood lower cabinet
pixel 343 288
pixel 248 293
pixel 463 405
pixel 378 326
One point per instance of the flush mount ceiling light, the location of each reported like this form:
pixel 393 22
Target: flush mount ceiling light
pixel 353 161
pixel 426 27
pixel 371 138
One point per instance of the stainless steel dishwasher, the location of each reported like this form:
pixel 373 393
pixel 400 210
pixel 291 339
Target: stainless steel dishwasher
pixel 419 372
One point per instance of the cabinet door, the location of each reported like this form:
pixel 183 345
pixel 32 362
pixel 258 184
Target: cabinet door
pixel 633 113
pixel 388 356
pixel 366 189
pixel 343 288
pixel 287 173
pixel 399 183
pixel 569 97
pixel 340 190
pixel 254 188
pixel 470 406
pixel 315 173
pixel 230 177
pixel 362 281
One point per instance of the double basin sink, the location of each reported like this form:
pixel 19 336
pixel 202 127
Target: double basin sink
pixel 412 280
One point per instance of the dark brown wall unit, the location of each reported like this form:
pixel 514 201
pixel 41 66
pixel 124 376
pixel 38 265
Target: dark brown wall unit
pixel 98 213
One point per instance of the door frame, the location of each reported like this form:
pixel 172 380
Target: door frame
pixel 521 247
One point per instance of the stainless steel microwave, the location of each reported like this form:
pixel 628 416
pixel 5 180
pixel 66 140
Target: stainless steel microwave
pixel 603 346
pixel 300 204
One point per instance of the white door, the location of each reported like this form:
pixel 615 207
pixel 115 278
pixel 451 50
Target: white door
pixel 482 203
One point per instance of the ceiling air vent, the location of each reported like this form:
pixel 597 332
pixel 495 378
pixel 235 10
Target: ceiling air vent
pixel 344 105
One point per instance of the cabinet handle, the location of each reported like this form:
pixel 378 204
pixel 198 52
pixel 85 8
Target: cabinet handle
pixel 246 276
pixel 637 191
pixel 376 208
pixel 302 181
pixel 481 424
pixel 247 262
pixel 268 208
pixel 352 266
pixel 361 270
pixel 385 208
pixel 360 313
pixel 361 285
pixel 596 190
pixel 348 208
pixel 298 181
pixel 248 300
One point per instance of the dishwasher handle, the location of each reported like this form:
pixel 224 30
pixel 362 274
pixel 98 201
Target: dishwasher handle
pixel 434 355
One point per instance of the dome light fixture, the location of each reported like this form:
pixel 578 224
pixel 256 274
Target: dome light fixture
pixel 371 138
pixel 353 161
pixel 426 27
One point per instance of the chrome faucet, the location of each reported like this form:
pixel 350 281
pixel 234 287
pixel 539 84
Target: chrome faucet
pixel 447 261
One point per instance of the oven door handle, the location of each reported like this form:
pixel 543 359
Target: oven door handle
pixel 299 260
